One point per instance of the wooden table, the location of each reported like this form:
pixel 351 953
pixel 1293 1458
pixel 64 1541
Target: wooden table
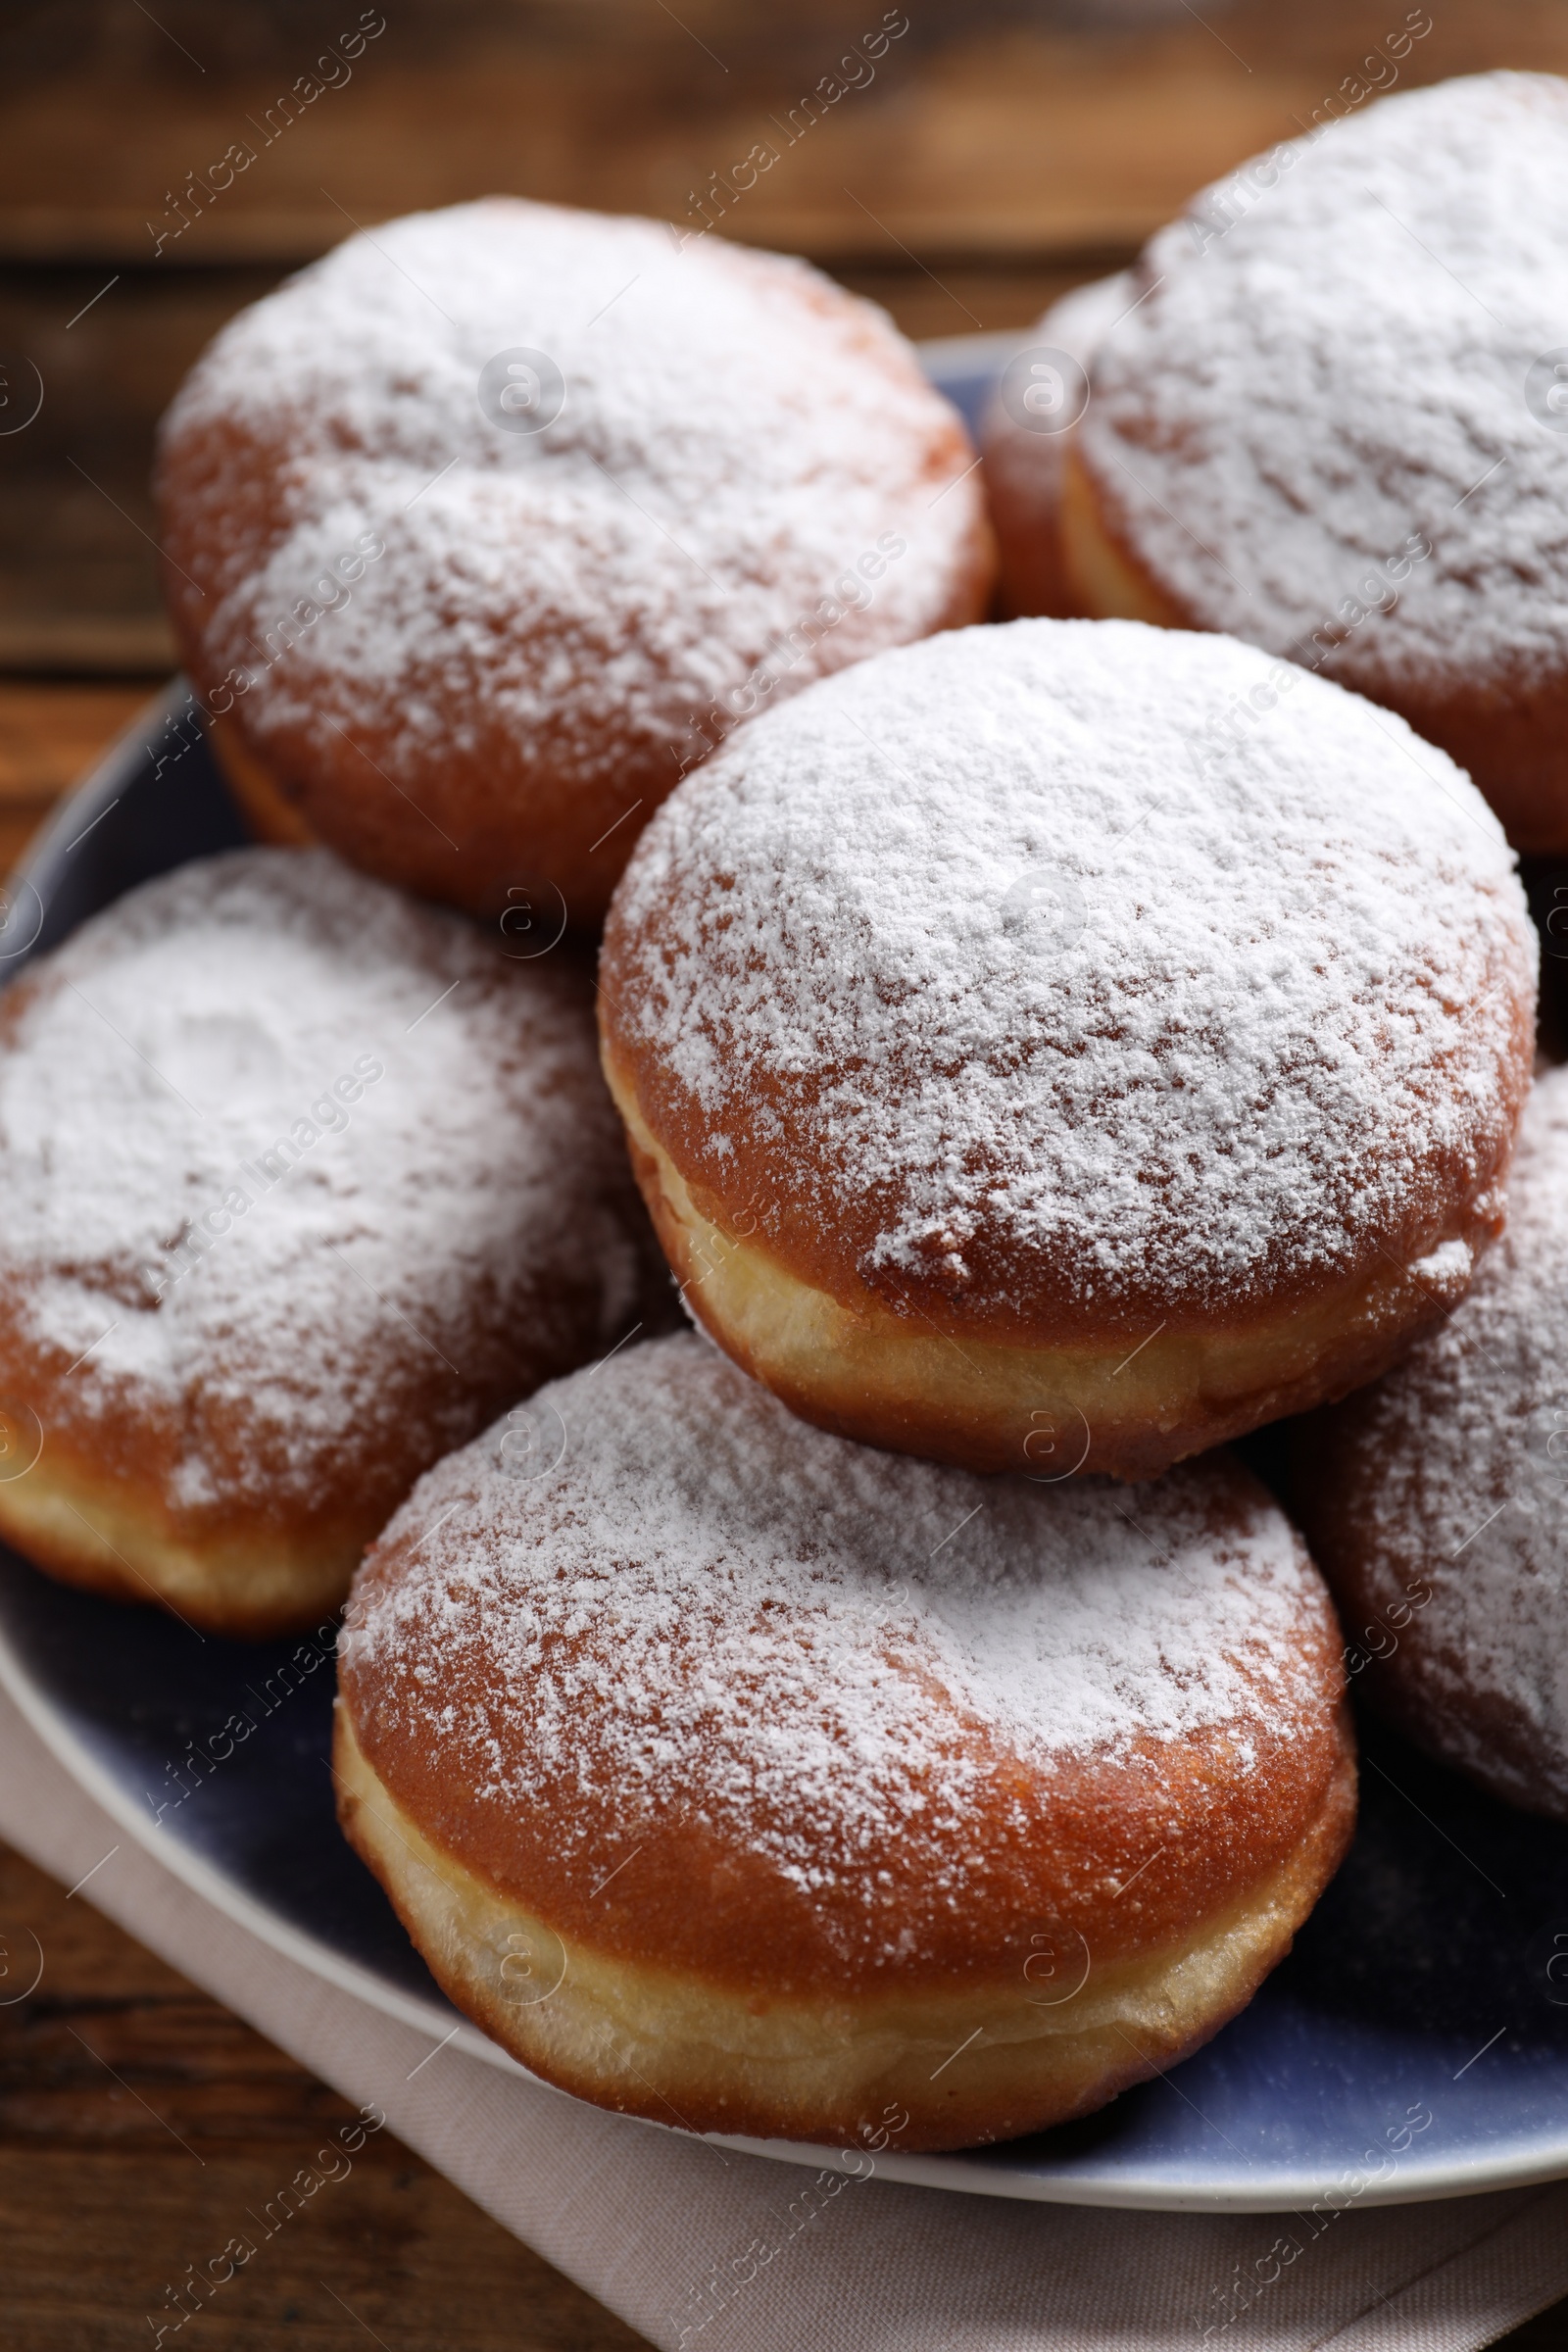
pixel 138 2120
pixel 1001 155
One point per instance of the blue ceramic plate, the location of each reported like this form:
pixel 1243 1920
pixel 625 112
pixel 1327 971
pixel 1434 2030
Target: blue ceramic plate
pixel 1415 2043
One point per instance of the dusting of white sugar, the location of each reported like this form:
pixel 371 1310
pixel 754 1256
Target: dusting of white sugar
pixel 734 436
pixel 284 1151
pixel 1077 962
pixel 810 1645
pixel 1450 1477
pixel 1334 358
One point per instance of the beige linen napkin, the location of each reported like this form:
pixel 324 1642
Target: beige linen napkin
pixel 697 2245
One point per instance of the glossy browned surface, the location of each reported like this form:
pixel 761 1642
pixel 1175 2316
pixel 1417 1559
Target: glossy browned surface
pixel 705 2040
pixel 1255 1369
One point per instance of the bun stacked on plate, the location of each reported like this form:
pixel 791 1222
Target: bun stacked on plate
pixel 302 1182
pixel 1435 1501
pixel 486 527
pixel 1032 1047
pixel 980 1018
pixel 1329 414
pixel 1046 1049
pixel 782 1784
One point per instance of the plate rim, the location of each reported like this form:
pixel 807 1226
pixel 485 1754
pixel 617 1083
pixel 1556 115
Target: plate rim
pixel 957 2171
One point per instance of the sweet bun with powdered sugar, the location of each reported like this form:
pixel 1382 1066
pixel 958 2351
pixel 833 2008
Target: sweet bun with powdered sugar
pixel 1056 1047
pixel 301 1182
pixel 1435 1502
pixel 731 1774
pixel 484 528
pixel 1328 415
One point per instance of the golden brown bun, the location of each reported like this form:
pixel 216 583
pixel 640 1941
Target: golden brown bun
pixel 103 1521
pixel 301 1183
pixel 1508 735
pixel 1508 739
pixel 1435 1503
pixel 1098 1196
pixel 1329 421
pixel 475 644
pixel 761 1772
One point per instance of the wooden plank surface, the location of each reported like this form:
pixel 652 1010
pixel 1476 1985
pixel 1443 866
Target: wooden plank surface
pixel 976 129
pixel 140 2124
pixel 50 735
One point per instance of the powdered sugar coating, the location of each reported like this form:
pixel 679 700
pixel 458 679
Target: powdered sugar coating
pixel 737 434
pixel 379 1262
pixel 1443 1492
pixel 1285 1031
pixel 1331 362
pixel 818 1654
